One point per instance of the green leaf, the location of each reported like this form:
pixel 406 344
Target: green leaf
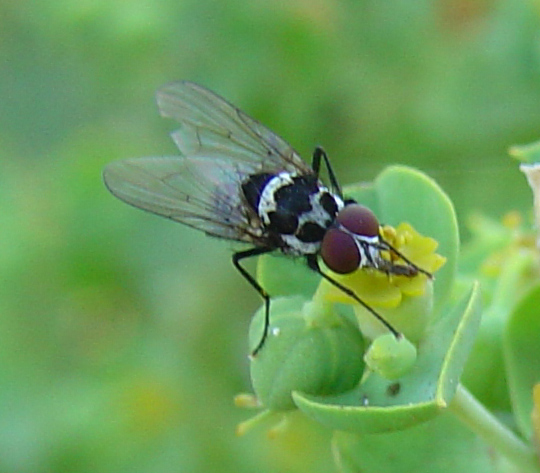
pixel 516 276
pixel 282 276
pixel 521 347
pixel 442 445
pixel 379 405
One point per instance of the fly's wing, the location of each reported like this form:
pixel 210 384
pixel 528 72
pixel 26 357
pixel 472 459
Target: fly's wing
pixel 213 128
pixel 200 192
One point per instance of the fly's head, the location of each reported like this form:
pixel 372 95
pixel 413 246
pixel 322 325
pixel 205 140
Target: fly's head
pixel 354 241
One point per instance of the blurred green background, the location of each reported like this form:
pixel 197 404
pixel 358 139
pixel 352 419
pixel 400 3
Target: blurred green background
pixel 123 335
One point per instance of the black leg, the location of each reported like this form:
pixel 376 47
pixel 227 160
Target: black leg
pixel 314 265
pixel 316 166
pixel 236 261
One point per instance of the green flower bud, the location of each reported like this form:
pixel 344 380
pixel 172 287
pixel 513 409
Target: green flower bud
pixel 309 349
pixel 391 357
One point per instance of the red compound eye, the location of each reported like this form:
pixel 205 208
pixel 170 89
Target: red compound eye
pixel 339 251
pixel 359 220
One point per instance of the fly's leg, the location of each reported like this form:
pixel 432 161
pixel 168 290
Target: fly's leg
pixel 410 270
pixel 316 166
pixel 314 265
pixel 237 257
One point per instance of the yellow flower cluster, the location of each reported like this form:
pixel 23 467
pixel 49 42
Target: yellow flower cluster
pixel 383 290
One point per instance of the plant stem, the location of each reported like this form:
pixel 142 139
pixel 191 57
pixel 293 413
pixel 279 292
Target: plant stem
pixel 248 424
pixel 478 419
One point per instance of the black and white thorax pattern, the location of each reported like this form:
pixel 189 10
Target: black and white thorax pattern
pixel 295 210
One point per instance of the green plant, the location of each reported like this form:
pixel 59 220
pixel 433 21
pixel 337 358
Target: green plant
pixel 457 393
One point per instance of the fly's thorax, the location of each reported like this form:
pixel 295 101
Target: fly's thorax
pixel 296 210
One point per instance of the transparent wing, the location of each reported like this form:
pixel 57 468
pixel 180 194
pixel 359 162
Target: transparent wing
pixel 200 192
pixel 213 128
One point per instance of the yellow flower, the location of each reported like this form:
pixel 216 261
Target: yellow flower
pixel 382 290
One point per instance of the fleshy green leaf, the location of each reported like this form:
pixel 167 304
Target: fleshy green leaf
pixel 522 357
pixel 379 405
pixel 442 445
pixel 282 276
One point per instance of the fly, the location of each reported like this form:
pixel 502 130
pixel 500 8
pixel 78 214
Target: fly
pixel 237 180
